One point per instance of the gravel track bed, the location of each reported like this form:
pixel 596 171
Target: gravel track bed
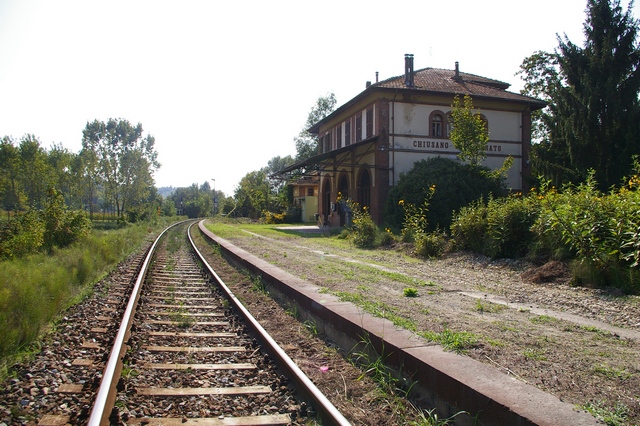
pixel 138 376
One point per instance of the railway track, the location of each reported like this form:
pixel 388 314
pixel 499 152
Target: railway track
pixel 188 353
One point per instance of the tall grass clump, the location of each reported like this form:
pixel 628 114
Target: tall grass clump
pixel 35 289
pixel 415 227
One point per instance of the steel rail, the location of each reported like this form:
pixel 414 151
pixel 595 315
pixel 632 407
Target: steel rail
pixel 107 391
pixel 327 411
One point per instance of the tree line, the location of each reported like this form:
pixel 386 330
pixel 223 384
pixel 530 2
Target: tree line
pixel 112 173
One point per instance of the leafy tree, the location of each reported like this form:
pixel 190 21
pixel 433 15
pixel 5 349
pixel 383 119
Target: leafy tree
pixel 11 191
pixel 168 208
pixel 62 226
pixel 61 163
pixel 469 132
pixel 36 173
pixel 593 118
pixel 306 143
pixel 121 159
pixel 254 194
pixel 194 201
pixel 22 236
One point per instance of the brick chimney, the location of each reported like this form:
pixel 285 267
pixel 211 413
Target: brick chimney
pixel 457 76
pixel 408 70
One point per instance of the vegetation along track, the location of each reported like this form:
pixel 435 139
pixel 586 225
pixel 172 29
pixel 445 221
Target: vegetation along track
pixel 191 357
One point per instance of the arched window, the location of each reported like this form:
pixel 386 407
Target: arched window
pixel 437 124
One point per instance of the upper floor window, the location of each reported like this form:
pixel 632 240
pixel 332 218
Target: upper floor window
pixel 339 136
pixel 369 122
pixel 310 191
pixel 327 142
pixel 347 133
pixel 359 127
pixel 436 124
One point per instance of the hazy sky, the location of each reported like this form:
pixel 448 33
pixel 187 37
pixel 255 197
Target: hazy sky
pixel 226 86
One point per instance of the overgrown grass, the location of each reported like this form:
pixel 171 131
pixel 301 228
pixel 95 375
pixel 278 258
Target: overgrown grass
pixel 378 309
pixel 611 416
pixel 456 341
pixel 34 290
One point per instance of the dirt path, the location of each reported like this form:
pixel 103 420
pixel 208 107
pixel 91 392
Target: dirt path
pixel 580 344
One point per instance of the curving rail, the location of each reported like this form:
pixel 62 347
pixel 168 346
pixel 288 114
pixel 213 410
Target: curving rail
pixel 107 392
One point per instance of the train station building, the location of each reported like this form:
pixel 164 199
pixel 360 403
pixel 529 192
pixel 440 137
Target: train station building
pixel 368 142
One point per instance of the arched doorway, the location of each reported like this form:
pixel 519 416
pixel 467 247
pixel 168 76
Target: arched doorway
pixel 326 201
pixel 343 191
pixel 364 189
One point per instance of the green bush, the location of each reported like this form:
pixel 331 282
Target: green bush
pixel 600 231
pixel 363 229
pixel 430 244
pixel 70 227
pixel 21 236
pixel 273 218
pixel 469 227
pixel 499 228
pixel 509 222
pixel 457 185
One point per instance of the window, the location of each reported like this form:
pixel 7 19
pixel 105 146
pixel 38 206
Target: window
pixel 369 122
pixel 437 124
pixel 327 142
pixel 347 133
pixel 310 192
pixel 359 127
pixel 339 136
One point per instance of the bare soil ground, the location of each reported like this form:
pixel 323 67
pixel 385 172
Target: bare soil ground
pixel 579 344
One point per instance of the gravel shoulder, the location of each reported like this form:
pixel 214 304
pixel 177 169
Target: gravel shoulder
pixel 579 344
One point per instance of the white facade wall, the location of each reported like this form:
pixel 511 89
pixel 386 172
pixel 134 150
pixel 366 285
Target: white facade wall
pixel 411 142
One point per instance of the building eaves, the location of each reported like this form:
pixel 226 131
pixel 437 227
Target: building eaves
pixel 316 159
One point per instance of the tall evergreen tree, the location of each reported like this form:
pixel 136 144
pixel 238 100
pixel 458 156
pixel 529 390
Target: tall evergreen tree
pixel 593 119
